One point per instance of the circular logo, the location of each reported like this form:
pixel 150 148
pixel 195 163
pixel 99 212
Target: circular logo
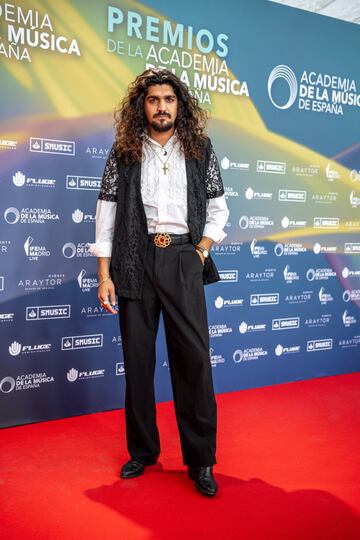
pixel 346 295
pixel 279 350
pixel 69 250
pixel 310 274
pixel 279 250
pixel 12 215
pixel 317 248
pixel 7 385
pixel 287 74
pixel 244 222
pixel 249 193
pixel 238 356
pixel 345 272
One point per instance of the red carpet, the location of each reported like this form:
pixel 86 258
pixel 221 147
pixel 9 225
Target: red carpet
pixel 288 469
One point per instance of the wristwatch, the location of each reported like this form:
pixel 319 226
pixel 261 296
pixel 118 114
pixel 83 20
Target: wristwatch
pixel 203 250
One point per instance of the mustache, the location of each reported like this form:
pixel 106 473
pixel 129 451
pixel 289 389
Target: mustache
pixel 162 114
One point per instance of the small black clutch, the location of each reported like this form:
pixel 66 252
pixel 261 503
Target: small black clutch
pixel 210 273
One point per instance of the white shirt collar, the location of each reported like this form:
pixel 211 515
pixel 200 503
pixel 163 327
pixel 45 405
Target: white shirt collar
pixel 170 143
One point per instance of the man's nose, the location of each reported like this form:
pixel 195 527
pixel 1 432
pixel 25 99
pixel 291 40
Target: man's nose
pixel 162 106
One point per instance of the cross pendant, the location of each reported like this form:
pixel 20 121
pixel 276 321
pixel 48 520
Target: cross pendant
pixel 165 168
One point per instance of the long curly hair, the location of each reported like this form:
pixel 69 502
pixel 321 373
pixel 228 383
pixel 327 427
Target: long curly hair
pixel 130 119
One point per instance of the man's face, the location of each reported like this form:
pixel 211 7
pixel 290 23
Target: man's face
pixel 161 106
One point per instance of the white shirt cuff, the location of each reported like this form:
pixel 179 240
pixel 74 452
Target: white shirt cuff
pixel 105 224
pixel 211 231
pixel 100 249
pixel 217 214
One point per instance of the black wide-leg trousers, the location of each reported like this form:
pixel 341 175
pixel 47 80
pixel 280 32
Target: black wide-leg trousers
pixel 173 285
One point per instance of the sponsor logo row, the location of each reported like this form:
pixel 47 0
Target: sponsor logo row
pixel 33 381
pixel 286 249
pixel 257 248
pixel 41 216
pixel 43 145
pixel 318 222
pixel 294 196
pixel 59 311
pixel 35 250
pixel 78 182
pixel 331 171
pixel 289 276
pixel 86 284
pixel 13 215
pixel 70 343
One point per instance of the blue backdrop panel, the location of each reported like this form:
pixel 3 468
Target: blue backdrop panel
pixel 282 90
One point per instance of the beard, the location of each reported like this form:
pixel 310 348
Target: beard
pixel 162 126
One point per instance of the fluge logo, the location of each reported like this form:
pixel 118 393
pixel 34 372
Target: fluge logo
pixel 72 375
pixel 77 216
pixel 14 348
pixel 225 163
pixel 287 74
pixel 19 179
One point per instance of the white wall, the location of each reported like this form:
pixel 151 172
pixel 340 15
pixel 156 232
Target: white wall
pixel 347 10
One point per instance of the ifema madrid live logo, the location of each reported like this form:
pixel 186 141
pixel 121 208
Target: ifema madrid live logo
pixel 311 91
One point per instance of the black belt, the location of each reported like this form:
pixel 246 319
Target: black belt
pixel 164 240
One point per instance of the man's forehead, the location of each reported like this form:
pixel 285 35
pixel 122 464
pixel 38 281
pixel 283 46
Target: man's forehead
pixel 160 90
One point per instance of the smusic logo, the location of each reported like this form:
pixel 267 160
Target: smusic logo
pixel 230 276
pixel 52 146
pixel 70 343
pixel 92 183
pixel 289 323
pixel 315 345
pixel 269 299
pixel 37 313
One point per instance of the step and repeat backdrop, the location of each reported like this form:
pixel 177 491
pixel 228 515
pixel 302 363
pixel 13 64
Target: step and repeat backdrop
pixel 282 88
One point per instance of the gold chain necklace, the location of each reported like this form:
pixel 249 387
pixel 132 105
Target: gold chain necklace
pixel 165 167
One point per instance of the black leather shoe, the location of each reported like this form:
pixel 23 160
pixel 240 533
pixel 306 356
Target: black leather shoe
pixel 132 468
pixel 204 480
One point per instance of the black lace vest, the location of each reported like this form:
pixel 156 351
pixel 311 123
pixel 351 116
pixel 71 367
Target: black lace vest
pixel 131 235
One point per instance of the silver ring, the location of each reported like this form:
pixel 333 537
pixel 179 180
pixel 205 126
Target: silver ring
pixel 105 303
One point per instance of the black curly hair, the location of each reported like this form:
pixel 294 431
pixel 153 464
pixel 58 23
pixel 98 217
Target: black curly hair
pixel 130 119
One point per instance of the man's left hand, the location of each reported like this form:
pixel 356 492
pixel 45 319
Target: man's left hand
pixel 202 258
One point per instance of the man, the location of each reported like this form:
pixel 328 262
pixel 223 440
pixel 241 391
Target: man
pixel 160 208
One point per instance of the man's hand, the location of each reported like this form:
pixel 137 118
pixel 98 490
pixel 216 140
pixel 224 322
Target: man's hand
pixel 202 258
pixel 106 296
pixel 205 243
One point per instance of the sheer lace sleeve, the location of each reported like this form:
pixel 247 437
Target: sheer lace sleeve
pixel 109 184
pixel 214 184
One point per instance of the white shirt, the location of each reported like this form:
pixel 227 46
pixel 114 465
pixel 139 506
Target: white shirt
pixel 164 195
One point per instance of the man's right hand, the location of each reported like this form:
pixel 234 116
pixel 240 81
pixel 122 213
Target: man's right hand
pixel 106 296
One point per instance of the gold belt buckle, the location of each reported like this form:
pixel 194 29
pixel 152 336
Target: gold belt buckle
pixel 162 240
